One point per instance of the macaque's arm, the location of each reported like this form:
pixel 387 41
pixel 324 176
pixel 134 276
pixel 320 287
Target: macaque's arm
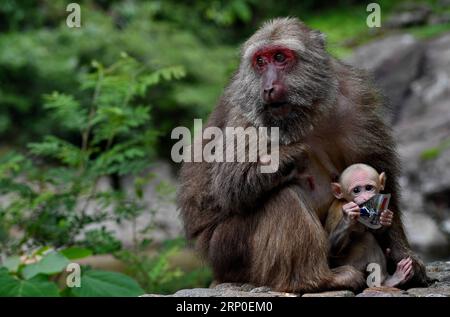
pixel 338 228
pixel 238 186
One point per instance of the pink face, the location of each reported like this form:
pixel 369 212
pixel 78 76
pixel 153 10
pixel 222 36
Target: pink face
pixel 278 56
pixel 271 63
pixel 361 185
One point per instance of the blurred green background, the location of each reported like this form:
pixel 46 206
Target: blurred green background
pixel 158 64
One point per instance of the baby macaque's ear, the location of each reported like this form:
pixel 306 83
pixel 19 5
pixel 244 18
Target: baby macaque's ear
pixel 382 179
pixel 337 190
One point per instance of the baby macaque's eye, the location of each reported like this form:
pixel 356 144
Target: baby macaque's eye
pixel 356 190
pixel 369 187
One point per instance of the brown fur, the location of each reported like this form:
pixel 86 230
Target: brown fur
pixel 266 228
pixel 356 247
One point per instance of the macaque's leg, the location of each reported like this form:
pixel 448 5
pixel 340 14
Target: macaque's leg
pixel 366 250
pixel 290 248
pixel 400 249
pixel 363 250
pixel 401 275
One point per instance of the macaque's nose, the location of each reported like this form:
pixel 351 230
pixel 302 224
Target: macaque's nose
pixel 273 93
pixel 363 198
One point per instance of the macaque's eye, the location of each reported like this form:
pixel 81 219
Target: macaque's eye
pixel 369 188
pixel 279 57
pixel 356 190
pixel 260 61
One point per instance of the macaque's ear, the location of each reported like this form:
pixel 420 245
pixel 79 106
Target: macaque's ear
pixel 320 37
pixel 337 190
pixel 382 179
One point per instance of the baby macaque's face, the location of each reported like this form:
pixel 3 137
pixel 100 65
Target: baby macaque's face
pixel 359 184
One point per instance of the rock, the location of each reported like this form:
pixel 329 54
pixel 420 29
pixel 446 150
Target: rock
pixel 227 292
pixel 231 290
pixel 383 292
pixel 261 289
pixel 424 127
pixel 437 270
pixel 394 62
pixel 254 289
pixel 437 290
pixel 331 294
pixel 439 19
pixel 444 4
pixel 410 15
pixel 229 286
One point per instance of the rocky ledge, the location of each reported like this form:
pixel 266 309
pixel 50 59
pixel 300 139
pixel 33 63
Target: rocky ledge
pixel 436 270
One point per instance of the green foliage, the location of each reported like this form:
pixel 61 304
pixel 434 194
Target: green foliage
pixel 54 192
pixel 40 286
pixel 102 283
pixel 76 253
pixel 435 152
pixel 157 273
pixel 101 241
pixel 56 58
pixel 429 31
pixel 38 274
pixel 40 54
pixel 49 264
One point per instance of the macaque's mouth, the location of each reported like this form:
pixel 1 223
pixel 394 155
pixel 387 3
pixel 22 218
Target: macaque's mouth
pixel 279 109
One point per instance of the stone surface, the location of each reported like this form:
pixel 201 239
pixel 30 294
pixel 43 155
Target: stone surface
pixel 384 292
pixel 330 294
pixel 438 290
pixel 437 270
pixel 409 15
pixel 394 62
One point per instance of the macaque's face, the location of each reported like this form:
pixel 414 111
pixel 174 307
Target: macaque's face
pixel 361 185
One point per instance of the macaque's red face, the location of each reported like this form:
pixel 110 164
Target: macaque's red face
pixel 360 186
pixel 272 63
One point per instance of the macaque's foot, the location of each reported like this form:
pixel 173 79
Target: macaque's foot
pixel 402 274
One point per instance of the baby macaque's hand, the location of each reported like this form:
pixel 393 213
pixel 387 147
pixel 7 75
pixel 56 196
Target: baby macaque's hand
pixel 351 210
pixel 386 218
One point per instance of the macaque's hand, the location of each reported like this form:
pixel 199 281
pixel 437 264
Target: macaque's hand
pixel 386 218
pixel 351 212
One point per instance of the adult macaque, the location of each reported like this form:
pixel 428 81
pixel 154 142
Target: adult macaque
pixel 351 242
pixel 267 228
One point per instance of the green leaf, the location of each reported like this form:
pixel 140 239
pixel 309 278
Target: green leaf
pixel 66 110
pixel 11 163
pixel 167 73
pixel 51 263
pixel 430 154
pixel 242 10
pixel 58 148
pixel 37 286
pixel 103 283
pixel 76 253
pixel 12 263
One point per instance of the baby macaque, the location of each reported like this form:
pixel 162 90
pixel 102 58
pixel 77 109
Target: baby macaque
pixel 351 242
